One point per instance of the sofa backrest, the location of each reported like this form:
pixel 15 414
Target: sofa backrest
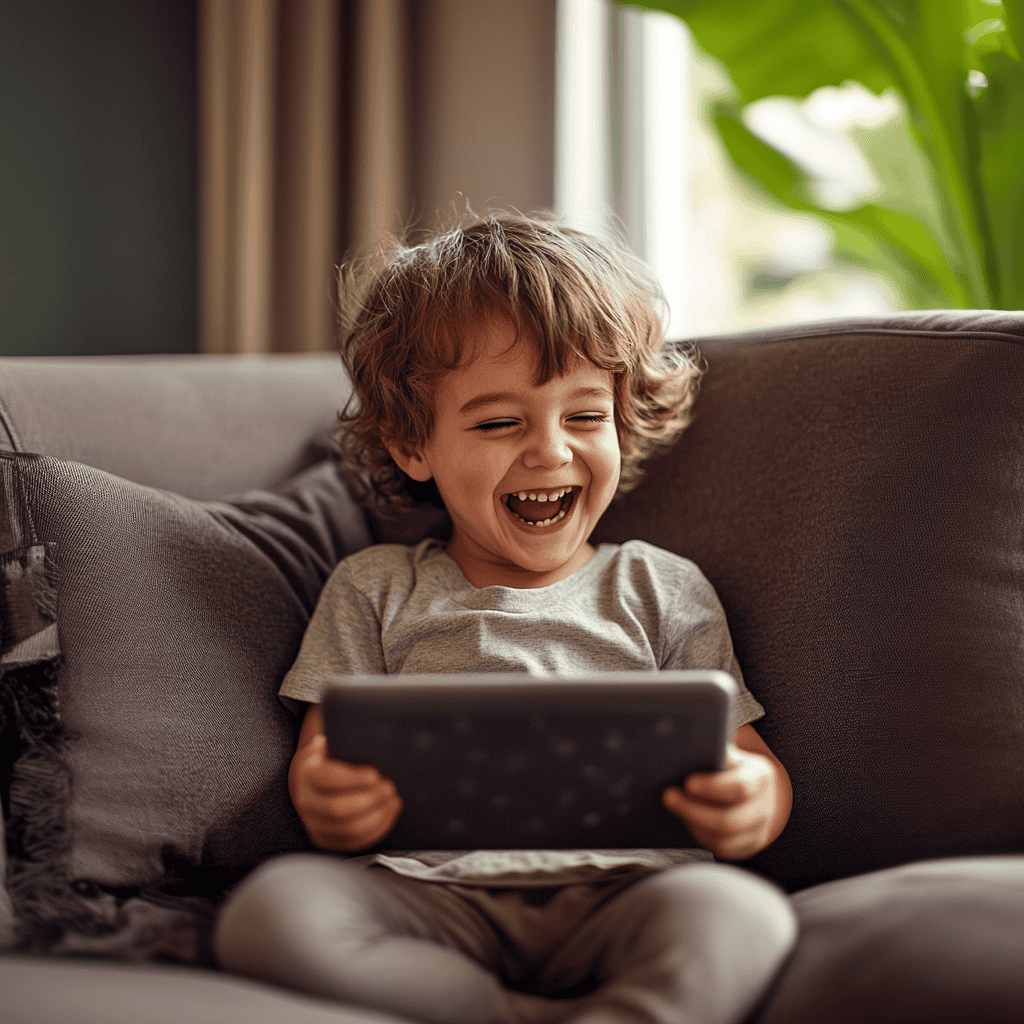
pixel 201 426
pixel 853 489
pixel 855 492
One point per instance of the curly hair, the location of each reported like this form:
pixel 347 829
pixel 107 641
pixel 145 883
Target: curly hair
pixel 406 320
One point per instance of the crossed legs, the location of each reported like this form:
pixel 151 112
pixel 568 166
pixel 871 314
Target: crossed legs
pixel 700 942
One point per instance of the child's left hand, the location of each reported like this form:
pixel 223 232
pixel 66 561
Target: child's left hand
pixel 738 811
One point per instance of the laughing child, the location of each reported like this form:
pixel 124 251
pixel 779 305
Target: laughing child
pixel 514 372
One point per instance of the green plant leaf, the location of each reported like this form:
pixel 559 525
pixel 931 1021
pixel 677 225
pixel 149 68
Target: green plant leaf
pixel 908 242
pixel 782 47
pixel 924 45
pixel 1013 15
pixel 871 235
pixel 782 177
pixel 1000 107
pixel 925 49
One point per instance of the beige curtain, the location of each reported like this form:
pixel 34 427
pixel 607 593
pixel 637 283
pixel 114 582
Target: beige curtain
pixel 327 124
pixel 272 227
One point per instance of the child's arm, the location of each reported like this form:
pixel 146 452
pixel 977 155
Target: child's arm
pixel 740 810
pixel 343 806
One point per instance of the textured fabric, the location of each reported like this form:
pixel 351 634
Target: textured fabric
pixel 29 661
pixel 940 942
pixel 695 944
pixel 529 869
pixel 856 500
pixel 38 991
pixel 167 747
pixel 200 426
pixel 7 924
pixel 394 609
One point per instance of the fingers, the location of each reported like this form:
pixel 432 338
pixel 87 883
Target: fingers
pixel 352 828
pixel 730 833
pixel 329 775
pixel 719 821
pixel 745 776
pixel 730 811
pixel 343 806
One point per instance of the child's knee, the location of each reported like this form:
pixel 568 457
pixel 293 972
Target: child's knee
pixel 732 899
pixel 286 903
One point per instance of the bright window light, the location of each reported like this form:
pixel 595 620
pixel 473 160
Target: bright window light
pixel 634 150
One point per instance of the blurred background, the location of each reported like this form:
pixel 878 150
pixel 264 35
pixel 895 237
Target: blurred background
pixel 185 175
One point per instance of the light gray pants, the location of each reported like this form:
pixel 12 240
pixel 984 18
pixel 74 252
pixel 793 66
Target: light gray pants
pixel 700 942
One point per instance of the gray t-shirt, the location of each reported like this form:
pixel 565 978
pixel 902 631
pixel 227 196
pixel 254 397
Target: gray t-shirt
pixel 393 609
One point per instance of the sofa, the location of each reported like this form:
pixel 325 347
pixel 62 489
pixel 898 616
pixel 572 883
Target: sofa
pixel 853 488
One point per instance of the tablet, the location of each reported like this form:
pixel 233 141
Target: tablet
pixel 517 761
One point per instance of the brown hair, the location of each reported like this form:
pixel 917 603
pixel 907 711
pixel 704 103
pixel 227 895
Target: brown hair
pixel 403 324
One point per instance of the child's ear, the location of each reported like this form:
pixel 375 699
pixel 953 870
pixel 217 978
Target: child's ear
pixel 411 462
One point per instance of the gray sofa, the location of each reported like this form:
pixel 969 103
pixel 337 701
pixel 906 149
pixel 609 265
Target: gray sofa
pixel 854 489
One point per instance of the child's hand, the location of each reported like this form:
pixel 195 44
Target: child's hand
pixel 736 812
pixel 343 806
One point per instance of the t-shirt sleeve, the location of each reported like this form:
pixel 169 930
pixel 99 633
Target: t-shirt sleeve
pixel 696 635
pixel 343 638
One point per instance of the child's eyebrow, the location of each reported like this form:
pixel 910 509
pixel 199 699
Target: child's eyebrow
pixel 494 397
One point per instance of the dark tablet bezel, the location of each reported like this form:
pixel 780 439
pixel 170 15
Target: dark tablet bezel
pixel 490 790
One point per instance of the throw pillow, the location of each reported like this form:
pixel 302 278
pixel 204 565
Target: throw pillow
pixel 150 771
pixel 936 942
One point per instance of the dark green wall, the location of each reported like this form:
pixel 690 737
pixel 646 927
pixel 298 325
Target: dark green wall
pixel 98 178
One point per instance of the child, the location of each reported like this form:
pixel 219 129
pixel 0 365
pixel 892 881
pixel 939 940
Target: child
pixel 513 372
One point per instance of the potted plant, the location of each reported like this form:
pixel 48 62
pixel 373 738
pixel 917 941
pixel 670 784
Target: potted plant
pixel 950 226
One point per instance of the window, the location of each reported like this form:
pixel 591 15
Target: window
pixel 634 150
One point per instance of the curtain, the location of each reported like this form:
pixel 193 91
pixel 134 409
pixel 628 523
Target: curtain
pixel 327 125
pixel 268 107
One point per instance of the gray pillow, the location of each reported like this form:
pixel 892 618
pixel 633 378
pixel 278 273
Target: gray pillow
pixel 151 770
pixel 929 943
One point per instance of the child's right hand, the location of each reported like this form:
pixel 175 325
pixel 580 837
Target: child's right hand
pixel 343 806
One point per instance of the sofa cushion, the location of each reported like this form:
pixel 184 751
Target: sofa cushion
pixel 39 991
pixel 929 943
pixel 153 767
pixel 855 492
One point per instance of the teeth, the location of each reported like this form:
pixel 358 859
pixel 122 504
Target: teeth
pixel 538 496
pixel 543 522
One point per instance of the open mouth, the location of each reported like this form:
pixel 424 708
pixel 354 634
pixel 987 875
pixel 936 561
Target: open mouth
pixel 541 508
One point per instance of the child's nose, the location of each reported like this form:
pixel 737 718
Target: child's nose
pixel 547 448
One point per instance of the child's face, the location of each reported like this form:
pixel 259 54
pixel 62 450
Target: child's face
pixel 497 435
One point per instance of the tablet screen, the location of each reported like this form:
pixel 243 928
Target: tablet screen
pixel 514 761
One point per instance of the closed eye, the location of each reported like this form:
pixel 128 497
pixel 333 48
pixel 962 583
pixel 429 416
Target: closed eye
pixel 495 425
pixel 592 417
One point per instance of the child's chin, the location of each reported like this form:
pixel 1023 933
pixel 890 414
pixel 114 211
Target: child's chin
pixel 546 558
pixel 552 542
